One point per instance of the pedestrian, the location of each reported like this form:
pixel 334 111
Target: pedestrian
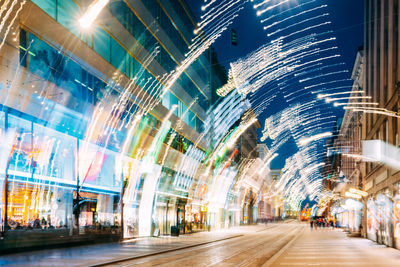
pixel 36 224
pixel 311 223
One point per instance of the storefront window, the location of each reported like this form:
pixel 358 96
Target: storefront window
pixel 396 219
pixel 97 167
pixel 55 154
pixel 36 205
pixel 22 157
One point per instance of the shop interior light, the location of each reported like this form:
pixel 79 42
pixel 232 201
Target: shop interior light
pixel 358 192
pixel 92 12
pixel 352 195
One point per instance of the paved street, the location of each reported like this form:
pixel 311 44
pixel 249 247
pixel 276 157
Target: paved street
pixel 284 244
pixel 325 247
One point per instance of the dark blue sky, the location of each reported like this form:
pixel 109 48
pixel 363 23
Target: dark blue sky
pixel 347 23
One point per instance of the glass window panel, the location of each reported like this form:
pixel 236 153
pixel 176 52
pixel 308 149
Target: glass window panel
pixel 97 166
pixel 153 8
pixel 175 101
pixel 192 119
pixel 39 57
pixel 54 66
pixel 102 43
pixel 55 154
pixel 67 15
pixel 23 48
pixel 40 207
pixel 166 100
pixel 185 113
pixel 20 162
pixel 49 6
pixel 118 55
pixel 124 15
pixel 199 125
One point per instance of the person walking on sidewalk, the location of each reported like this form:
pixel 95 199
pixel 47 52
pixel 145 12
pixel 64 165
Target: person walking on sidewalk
pixel 311 223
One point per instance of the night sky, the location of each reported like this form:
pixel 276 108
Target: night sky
pixel 347 24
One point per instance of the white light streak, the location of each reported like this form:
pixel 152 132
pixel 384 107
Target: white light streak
pixel 339 93
pixel 91 14
pixel 328 100
pixel 307 140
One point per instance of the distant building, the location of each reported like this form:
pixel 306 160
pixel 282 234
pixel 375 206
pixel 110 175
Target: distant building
pixel 262 150
pixel 276 174
pixel 346 151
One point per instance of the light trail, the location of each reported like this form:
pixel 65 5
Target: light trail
pixel 387 113
pixel 284 12
pixel 270 7
pixel 299 23
pixel 326 83
pixel 305 29
pixel 289 18
pixel 368 108
pixel 320 96
pixel 306 141
pixel 355 103
pixel 331 89
pixel 323 75
pixel 271 71
pixel 10 9
pixel 328 100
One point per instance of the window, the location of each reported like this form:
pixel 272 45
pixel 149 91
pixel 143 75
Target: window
pixel 49 6
pixel 192 119
pixel 166 100
pixel 67 15
pixel 118 56
pixel 23 48
pixel 387 131
pixel 123 14
pixel 53 65
pixel 174 101
pixel 102 43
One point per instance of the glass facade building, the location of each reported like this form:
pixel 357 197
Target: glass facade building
pixel 90 141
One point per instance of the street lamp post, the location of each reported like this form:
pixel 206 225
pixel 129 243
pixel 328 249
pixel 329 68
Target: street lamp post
pixel 76 200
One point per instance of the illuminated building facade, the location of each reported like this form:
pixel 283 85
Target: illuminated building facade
pixel 381 81
pixel 83 111
pixel 346 147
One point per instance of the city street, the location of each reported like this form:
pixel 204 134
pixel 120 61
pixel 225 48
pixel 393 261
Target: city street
pixel 199 133
pixel 326 247
pixel 281 244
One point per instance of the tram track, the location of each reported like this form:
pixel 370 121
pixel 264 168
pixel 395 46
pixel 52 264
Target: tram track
pixel 121 261
pixel 250 261
pixel 236 249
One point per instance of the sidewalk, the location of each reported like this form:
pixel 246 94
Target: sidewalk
pixel 102 253
pixel 332 247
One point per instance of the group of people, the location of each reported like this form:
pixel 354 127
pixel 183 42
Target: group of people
pixel 322 222
pixel 34 224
